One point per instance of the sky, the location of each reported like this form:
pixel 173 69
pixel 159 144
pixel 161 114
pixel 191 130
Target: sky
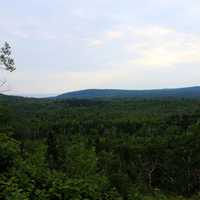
pixel 62 45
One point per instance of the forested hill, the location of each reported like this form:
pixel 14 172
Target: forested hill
pixel 113 149
pixel 189 92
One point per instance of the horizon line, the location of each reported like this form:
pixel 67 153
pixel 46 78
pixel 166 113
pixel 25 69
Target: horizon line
pixel 54 94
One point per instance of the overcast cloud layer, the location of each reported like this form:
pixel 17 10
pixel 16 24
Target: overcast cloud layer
pixel 66 45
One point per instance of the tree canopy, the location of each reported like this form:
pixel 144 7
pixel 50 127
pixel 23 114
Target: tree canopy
pixel 121 149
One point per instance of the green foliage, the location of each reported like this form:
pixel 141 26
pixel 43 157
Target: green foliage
pixel 81 161
pixel 75 189
pixel 101 150
pixel 9 151
pixel 10 189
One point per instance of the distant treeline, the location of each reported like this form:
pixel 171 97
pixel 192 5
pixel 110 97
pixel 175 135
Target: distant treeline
pixel 188 92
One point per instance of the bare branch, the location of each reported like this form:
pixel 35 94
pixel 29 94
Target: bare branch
pixel 3 83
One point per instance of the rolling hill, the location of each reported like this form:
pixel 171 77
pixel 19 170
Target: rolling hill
pixel 189 92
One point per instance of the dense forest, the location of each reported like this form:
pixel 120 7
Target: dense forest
pixel 113 149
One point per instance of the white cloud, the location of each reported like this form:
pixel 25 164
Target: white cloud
pixel 154 46
pixel 114 34
pixel 164 47
pixel 96 43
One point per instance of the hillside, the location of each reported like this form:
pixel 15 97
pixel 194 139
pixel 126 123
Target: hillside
pixel 189 92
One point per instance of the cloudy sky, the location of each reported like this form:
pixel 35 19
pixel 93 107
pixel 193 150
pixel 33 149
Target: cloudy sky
pixel 62 45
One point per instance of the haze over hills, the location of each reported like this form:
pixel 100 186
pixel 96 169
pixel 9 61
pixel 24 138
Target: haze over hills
pixel 188 92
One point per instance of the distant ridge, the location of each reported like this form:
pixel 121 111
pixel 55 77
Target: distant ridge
pixel 187 92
